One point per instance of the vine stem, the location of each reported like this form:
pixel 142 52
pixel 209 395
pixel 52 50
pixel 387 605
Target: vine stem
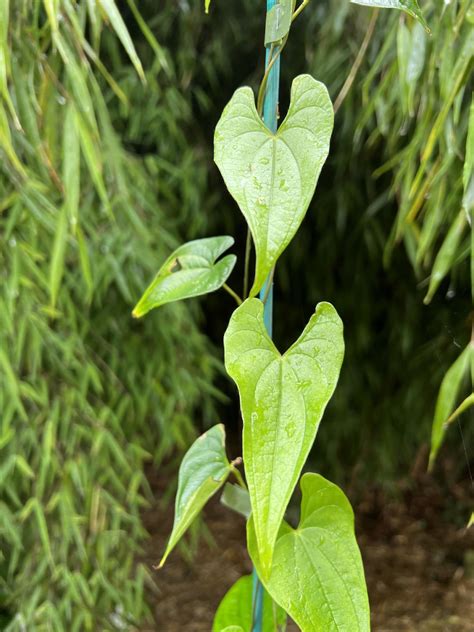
pixel 357 62
pixel 234 295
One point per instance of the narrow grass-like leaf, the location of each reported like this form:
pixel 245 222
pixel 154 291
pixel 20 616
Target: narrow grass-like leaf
pixel 191 270
pixel 283 398
pixel 446 255
pixel 56 268
pixel 116 20
pixel 317 575
pixel 272 177
pixel 236 609
pixel 463 406
pixel 468 169
pixel 446 401
pixel 71 166
pixel 203 471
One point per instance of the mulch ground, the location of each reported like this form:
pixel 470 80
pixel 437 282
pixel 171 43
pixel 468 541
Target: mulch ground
pixel 418 563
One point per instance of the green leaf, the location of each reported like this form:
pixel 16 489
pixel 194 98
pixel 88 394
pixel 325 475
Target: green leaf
pixel 446 255
pixel 463 406
pixel 203 471
pixel 409 6
pixel 446 401
pixel 190 271
pixel 236 608
pixel 283 398
pixel 116 20
pixel 317 574
pixel 56 269
pixel 272 177
pixel 71 165
pixel 207 4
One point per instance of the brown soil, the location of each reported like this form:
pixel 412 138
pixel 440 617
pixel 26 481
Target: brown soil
pixel 418 564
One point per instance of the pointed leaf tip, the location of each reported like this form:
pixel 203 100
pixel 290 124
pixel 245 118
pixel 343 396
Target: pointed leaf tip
pixel 204 469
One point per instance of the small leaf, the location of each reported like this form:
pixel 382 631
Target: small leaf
pixel 272 177
pixel 236 608
pixel 409 6
pixel 203 471
pixel 317 575
pixel 207 4
pixel 446 401
pixel 190 271
pixel 283 398
pixel 446 255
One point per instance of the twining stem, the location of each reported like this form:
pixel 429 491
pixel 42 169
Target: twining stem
pixel 238 476
pixel 268 285
pixel 357 62
pixel 299 9
pixel 234 295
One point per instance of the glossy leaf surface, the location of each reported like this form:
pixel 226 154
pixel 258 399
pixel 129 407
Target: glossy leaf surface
pixel 409 6
pixel 190 271
pixel 283 398
pixel 272 177
pixel 203 471
pixel 446 402
pixel 236 609
pixel 317 574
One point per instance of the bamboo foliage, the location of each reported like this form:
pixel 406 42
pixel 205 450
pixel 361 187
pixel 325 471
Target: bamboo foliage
pixel 83 221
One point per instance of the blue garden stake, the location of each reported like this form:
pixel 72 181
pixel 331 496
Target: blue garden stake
pixel 270 118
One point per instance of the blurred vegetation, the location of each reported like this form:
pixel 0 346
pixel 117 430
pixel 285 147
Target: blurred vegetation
pixel 107 166
pixel 87 396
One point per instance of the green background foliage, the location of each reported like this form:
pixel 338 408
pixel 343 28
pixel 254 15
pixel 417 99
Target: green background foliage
pixel 103 174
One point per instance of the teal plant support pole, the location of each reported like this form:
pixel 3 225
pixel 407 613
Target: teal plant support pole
pixel 270 118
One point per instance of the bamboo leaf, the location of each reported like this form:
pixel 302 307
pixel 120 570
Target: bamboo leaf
pixel 317 575
pixel 463 406
pixel 56 268
pixel 272 177
pixel 71 166
pixel 468 169
pixel 446 255
pixel 202 473
pixel 408 6
pixel 116 20
pixel 191 270
pixel 236 609
pixel 446 401
pixel 283 398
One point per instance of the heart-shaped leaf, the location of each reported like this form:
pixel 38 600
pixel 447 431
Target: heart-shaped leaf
pixel 317 574
pixel 272 177
pixel 202 472
pixel 283 398
pixel 236 609
pixel 409 6
pixel 190 271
